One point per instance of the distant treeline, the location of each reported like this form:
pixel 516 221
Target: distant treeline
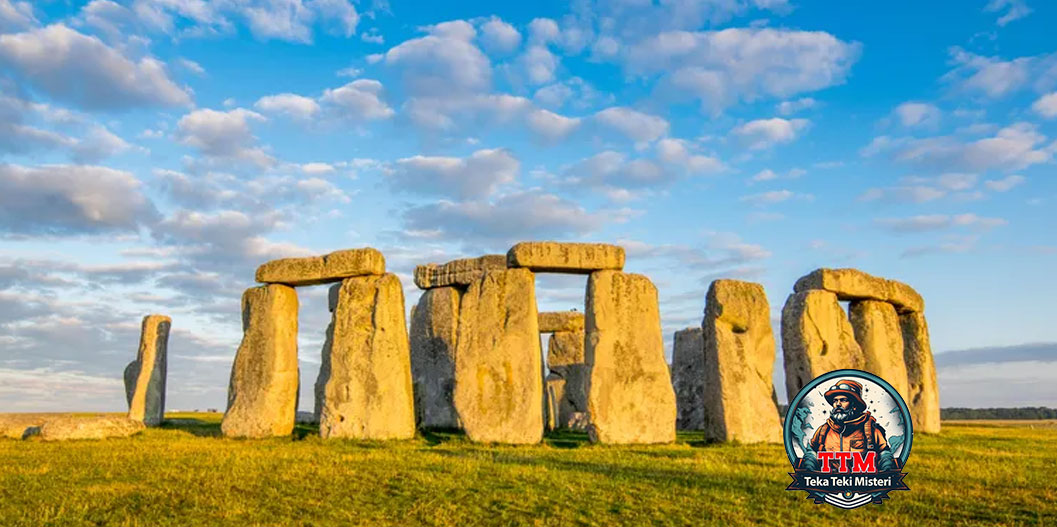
pixel 1027 412
pixel 1039 412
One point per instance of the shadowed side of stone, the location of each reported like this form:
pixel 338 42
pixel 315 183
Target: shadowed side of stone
pixel 262 394
pixel 149 371
pixel 315 270
pixel 563 257
pixel 368 394
pixel 565 359
pixel 816 338
pixel 498 363
pixel 688 378
pixel 460 272
pixel 434 329
pixel 739 398
pixel 630 397
pixel 924 393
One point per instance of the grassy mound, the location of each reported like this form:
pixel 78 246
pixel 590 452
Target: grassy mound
pixel 185 474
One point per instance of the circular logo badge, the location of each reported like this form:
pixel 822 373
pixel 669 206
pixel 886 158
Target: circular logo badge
pixel 848 435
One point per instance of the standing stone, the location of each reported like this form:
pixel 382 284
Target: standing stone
pixel 147 402
pixel 131 373
pixel 739 393
pixel 924 393
pixel 498 363
pixel 816 338
pixel 262 394
pixel 554 392
pixel 320 387
pixel 434 328
pixel 630 397
pixel 368 392
pixel 877 331
pixel 565 359
pixel 688 378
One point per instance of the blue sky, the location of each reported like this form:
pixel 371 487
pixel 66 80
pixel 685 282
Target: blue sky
pixel 153 153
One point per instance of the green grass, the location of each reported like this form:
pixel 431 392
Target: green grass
pixel 184 474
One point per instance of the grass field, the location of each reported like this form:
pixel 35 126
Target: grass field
pixel 184 474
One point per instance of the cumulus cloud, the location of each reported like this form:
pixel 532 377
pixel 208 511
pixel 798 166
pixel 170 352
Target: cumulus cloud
pixel 539 64
pixel 1046 106
pixel 16 15
pixel 551 126
pixel 499 37
pixel 795 106
pixel 81 69
pixel 719 68
pixel 917 114
pixel 772 197
pixel 1014 10
pixel 359 100
pixel 766 133
pixel 678 152
pixel 1014 147
pixel 71 199
pixel 290 104
pixel 223 135
pixel 994 77
pixel 635 125
pixel 444 62
pixel 1005 184
pixel 476 176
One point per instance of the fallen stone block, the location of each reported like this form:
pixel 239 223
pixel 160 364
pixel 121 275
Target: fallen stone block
pixel 314 270
pixel 461 272
pixel 78 427
pixel 564 257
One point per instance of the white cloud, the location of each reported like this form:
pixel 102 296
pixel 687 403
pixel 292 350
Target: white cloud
pixel 1046 105
pixel 637 126
pixel 539 64
pixel 617 176
pixel 773 196
pixel 443 63
pixel 939 222
pixel 719 68
pixel 360 99
pixel 1005 184
pixel 677 152
pixel 1012 148
pixel 1015 10
pixel 71 199
pixel 791 107
pixel 543 31
pixel 550 125
pixel 499 37
pixel 223 135
pixel 476 176
pixel 917 114
pixel 444 113
pixel 994 77
pixel 290 104
pixel 191 66
pixel 81 69
pixel 16 15
pixel 765 133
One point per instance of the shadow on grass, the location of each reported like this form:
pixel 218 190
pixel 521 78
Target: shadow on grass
pixel 211 428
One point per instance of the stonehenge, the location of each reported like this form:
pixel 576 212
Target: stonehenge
pixel 688 378
pixel 884 332
pixel 739 399
pixel 470 356
pixel 145 377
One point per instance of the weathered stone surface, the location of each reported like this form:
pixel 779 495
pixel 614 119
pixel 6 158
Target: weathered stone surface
pixel 21 426
pixel 688 378
pixel 924 393
pixel 434 328
pixel 565 359
pixel 554 392
pixel 319 388
pixel 262 394
pixel 739 398
pixel 498 363
pixel 147 403
pixel 314 270
pixel 130 375
pixel 877 331
pixel 630 397
pixel 555 321
pixel 368 394
pixel 816 338
pixel 853 284
pixel 563 257
pixel 78 427
pixel 461 272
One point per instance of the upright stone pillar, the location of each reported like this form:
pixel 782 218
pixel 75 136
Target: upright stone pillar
pixel 368 393
pixel 876 328
pixel 924 393
pixel 816 338
pixel 320 386
pixel 262 395
pixel 565 359
pixel 688 378
pixel 739 396
pixel 630 395
pixel 145 376
pixel 434 328
pixel 498 363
